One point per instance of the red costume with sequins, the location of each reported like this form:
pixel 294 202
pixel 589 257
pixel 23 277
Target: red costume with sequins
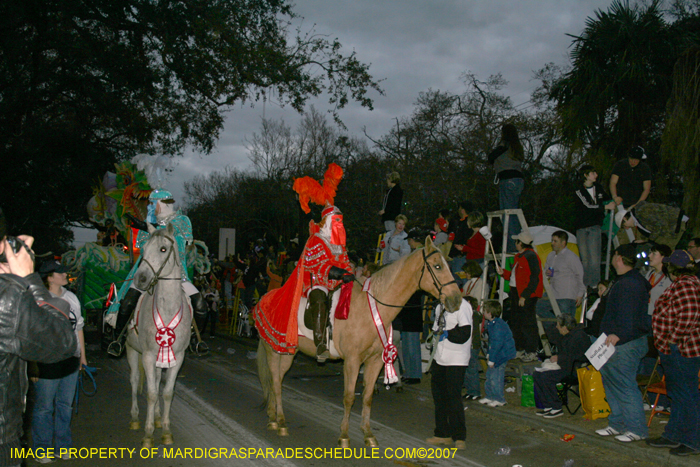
pixel 319 255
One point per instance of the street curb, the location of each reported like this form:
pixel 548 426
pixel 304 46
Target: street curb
pixel 636 450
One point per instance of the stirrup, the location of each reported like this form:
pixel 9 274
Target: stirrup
pixel 199 348
pixel 115 349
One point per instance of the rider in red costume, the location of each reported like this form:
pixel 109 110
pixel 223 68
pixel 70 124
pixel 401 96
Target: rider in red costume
pixel 323 266
pixel 326 266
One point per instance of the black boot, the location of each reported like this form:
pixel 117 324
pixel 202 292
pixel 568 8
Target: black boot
pixel 126 308
pixel 200 309
pixel 316 318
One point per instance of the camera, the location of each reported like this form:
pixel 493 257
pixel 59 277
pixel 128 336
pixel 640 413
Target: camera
pixel 16 245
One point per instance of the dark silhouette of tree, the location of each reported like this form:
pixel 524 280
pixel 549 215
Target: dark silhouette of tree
pixel 86 84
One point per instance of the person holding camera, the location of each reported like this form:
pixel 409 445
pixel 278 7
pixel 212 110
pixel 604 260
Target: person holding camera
pixel 33 326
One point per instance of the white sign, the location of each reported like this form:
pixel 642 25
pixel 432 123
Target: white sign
pixel 227 243
pixel 599 352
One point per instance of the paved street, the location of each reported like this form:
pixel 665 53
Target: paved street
pixel 217 419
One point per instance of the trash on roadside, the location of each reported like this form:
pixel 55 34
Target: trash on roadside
pixel 510 389
pixel 568 463
pixel 503 451
pixel 567 437
pixel 230 351
pixel 252 355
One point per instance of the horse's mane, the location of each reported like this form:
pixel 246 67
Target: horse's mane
pixel 388 273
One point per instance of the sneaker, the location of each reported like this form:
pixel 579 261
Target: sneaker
pixel 542 412
pixel 469 397
pixel 628 437
pixel 461 444
pixel 485 401
pixel 554 413
pixel 44 460
pixel 684 450
pixel 607 432
pixel 436 441
pixel 496 404
pixel 66 456
pixel 662 442
pixel 529 357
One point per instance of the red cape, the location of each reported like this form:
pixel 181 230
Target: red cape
pixel 276 313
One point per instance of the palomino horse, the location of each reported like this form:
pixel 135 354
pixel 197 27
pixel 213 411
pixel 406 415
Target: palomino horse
pixel 162 330
pixel 356 338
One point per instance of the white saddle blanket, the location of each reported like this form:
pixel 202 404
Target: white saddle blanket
pixel 309 333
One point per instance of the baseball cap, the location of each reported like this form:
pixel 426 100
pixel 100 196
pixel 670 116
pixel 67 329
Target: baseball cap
pixel 52 266
pixel 417 234
pixel 524 237
pixel 628 251
pixel 637 152
pixel 680 258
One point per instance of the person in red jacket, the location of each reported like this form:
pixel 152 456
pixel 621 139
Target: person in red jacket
pixel 525 288
pixel 475 247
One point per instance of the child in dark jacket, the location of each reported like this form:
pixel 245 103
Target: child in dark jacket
pixel 501 349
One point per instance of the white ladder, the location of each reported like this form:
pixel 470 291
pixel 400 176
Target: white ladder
pixel 501 257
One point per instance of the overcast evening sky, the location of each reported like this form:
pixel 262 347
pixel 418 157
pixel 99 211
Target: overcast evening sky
pixel 413 46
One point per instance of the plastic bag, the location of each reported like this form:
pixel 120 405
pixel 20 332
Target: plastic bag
pixel 527 393
pixel 592 393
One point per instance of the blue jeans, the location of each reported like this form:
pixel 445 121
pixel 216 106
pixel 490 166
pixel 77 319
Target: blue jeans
pixel 52 412
pixel 471 377
pixel 509 192
pixel 412 365
pixel 621 390
pixel 495 383
pixel 455 267
pixel 682 387
pixel 590 250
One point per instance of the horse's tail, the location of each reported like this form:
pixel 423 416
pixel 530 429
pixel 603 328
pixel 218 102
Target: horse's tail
pixel 265 376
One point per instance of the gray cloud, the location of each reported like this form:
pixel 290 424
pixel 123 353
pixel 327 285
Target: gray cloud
pixel 415 45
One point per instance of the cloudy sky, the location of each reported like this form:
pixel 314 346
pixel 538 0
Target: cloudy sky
pixel 415 45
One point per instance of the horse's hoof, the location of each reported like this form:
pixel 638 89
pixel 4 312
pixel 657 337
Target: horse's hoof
pixel 147 443
pixel 167 438
pixel 272 426
pixel 371 441
pixel 344 443
pixel 134 425
pixel 158 423
pixel 283 431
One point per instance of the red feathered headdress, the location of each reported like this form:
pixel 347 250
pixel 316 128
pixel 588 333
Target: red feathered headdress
pixel 310 190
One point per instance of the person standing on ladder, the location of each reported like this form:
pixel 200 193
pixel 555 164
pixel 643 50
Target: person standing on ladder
pixel 507 160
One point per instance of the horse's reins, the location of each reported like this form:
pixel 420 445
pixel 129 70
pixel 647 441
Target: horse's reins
pixel 436 282
pixel 156 274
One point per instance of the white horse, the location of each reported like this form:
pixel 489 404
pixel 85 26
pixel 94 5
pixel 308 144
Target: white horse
pixel 161 330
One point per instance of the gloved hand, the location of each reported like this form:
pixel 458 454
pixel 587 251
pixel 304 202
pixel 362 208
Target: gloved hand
pixel 335 274
pixel 136 223
pixel 347 277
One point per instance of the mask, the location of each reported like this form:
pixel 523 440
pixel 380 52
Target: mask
pixel 337 230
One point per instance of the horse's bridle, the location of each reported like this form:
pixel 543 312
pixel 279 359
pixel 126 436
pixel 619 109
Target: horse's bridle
pixel 156 274
pixel 436 282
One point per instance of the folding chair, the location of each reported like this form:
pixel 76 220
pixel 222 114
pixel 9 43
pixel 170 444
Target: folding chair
pixel 658 389
pixel 569 385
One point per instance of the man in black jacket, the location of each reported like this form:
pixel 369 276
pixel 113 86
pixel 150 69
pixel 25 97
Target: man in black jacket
pixel 33 326
pixel 393 201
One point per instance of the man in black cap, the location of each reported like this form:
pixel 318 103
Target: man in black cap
pixel 630 182
pixel 626 324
